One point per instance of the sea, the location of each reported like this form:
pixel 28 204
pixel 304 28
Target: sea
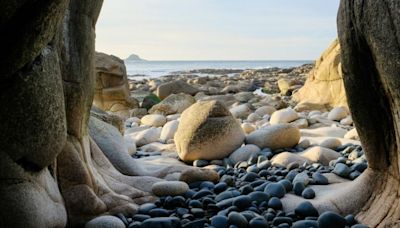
pixel 153 69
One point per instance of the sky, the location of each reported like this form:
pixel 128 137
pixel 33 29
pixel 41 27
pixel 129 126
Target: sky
pixel 217 29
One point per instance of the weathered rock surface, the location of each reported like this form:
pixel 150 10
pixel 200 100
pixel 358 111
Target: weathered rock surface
pixel 112 89
pixel 207 130
pixel 324 84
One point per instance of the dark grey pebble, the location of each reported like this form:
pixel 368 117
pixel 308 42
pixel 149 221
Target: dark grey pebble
pixel 195 204
pixel 305 224
pixel 331 220
pixel 350 220
pixel 275 203
pixel 158 212
pixel 258 222
pixel 207 185
pixel 360 167
pixel 359 226
pixel 287 184
pixel 145 208
pixel 353 175
pixel 219 221
pixel 200 163
pixel 259 197
pixel 195 224
pixel 140 217
pixel 197 212
pixel 170 222
pixel 306 209
pixel 235 218
pixel 250 177
pixel 226 194
pixel 298 188
pixel 220 187
pixel 308 193
pixel 279 220
pixel 242 202
pixel 246 189
pixel 320 179
pixel 341 170
pixel 291 175
pixel 275 190
pixel 200 194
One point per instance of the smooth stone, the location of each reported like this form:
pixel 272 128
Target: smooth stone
pixel 265 110
pixel 350 220
pixel 275 203
pixel 202 193
pixel 287 184
pixel 140 217
pixel 286 158
pixel 338 113
pixel 219 221
pixel 275 190
pixel 168 130
pixel 207 184
pixel 258 222
pixel 298 188
pixel 319 154
pixel 195 204
pixel 105 221
pixel 197 212
pixel 145 208
pixel 302 177
pixel 159 212
pixel 154 120
pixel 235 218
pixel 306 209
pixel 275 136
pixel 194 175
pixel 250 177
pixel 280 220
pixel 258 197
pixel 331 143
pixel 359 226
pixel 331 220
pixel 319 179
pixel 226 195
pixel 248 128
pixel 170 222
pixel 283 116
pixel 220 187
pixel 341 170
pixel 308 193
pixel 169 188
pixel 353 175
pixel 242 202
pixel 244 153
pixel 200 163
pixel 305 224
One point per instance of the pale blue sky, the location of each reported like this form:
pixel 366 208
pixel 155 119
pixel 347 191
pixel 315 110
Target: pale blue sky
pixel 217 29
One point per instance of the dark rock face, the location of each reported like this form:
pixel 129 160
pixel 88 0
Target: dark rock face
pixel 368 34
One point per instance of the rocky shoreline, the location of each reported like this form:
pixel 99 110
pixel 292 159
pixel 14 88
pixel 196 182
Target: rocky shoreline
pixel 273 155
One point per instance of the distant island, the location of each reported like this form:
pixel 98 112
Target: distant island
pixel 134 57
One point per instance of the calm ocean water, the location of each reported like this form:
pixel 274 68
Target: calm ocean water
pixel 151 69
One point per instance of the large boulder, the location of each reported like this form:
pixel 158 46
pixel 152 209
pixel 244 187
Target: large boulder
pixel 324 84
pixel 174 103
pixel 207 130
pixel 174 87
pixel 275 136
pixel 112 89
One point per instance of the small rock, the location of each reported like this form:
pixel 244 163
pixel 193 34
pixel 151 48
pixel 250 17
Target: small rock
pixel 275 137
pixel 105 221
pixel 200 163
pixel 194 175
pixel 219 221
pixel 341 170
pixel 154 120
pixel 331 143
pixel 248 127
pixel 275 190
pixel 275 203
pixel 331 220
pixel 338 113
pixel 169 222
pixel 244 153
pixel 242 202
pixel 306 209
pixel 308 193
pixel 283 116
pixel 236 219
pixel 169 188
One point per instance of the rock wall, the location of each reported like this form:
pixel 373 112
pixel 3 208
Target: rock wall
pixel 324 85
pixel 112 89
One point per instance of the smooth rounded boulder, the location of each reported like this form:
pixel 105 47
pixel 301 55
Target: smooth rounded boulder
pixel 275 136
pixel 283 116
pixel 208 131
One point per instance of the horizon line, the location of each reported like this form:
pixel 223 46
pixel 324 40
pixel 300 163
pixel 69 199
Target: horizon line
pixel 147 60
